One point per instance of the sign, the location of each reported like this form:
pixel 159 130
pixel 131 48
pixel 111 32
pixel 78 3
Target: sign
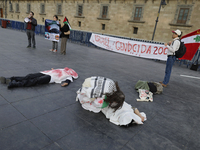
pixel 130 47
pixel 52 30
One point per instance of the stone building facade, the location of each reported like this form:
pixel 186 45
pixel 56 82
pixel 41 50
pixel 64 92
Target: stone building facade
pixel 127 18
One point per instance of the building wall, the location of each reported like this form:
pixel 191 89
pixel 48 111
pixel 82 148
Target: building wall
pixel 119 13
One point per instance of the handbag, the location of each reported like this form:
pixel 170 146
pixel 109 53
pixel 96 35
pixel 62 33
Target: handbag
pixel 194 67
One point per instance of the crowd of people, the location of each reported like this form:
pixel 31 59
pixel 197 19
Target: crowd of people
pixel 97 94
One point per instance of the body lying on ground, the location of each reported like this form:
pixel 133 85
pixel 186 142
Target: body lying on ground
pixel 63 76
pixel 100 94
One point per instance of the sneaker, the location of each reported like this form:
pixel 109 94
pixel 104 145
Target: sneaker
pixel 55 50
pixel 51 50
pixel 28 46
pixel 34 47
pixel 3 80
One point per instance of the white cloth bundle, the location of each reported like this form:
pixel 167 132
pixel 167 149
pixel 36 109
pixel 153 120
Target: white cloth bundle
pixel 122 116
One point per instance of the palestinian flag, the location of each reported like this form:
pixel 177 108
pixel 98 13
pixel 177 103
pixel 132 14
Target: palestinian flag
pixel 65 21
pixel 192 43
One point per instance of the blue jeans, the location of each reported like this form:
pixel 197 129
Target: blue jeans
pixel 168 69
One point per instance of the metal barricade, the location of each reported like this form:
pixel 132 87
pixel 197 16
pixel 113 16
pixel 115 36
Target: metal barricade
pixel 83 37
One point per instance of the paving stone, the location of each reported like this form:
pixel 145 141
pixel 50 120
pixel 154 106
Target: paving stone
pixel 58 123
pixel 23 136
pixel 54 146
pixel 88 138
pixel 172 118
pixel 2 101
pixel 43 104
pixel 9 116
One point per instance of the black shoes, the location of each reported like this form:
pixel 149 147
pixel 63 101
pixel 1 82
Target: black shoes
pixel 34 47
pixel 29 46
pixel 13 84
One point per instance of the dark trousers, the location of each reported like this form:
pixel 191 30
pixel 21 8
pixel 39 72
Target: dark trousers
pixel 55 45
pixel 31 35
pixel 32 80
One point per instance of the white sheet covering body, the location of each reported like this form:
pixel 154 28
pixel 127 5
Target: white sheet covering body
pixel 59 75
pixel 85 96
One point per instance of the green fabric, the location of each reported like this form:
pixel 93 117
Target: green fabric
pixel 65 22
pixel 142 85
pixel 105 104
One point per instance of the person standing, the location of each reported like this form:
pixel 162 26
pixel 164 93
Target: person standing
pixel 65 32
pixel 55 25
pixel 30 30
pixel 171 58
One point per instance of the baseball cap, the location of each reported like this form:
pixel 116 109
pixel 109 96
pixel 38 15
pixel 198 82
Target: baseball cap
pixel 178 32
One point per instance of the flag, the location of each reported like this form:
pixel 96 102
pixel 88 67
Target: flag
pixel 67 22
pixel 192 43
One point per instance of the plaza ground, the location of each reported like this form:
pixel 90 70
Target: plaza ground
pixel 47 117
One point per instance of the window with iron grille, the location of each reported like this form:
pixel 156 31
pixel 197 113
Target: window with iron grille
pixel 59 9
pixel 80 10
pixel 28 8
pixel 135 30
pixel 42 6
pixel 138 13
pixel 17 7
pixel 104 11
pixel 183 15
pixel 11 7
pixel 79 23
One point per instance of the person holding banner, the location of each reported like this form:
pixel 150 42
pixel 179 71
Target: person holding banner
pixel 171 58
pixel 65 32
pixel 30 29
pixel 55 43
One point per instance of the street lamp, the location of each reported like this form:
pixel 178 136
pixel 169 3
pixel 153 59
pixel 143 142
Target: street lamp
pixel 162 3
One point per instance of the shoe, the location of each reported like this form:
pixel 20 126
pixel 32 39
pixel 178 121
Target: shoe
pixel 51 50
pixel 13 84
pixel 34 47
pixel 8 81
pixel 3 80
pixel 55 50
pixel 28 46
pixel 164 85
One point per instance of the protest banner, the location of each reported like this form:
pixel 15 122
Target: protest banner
pixel 130 47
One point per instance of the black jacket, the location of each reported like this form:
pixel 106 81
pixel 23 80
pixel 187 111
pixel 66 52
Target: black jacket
pixel 63 29
pixel 33 24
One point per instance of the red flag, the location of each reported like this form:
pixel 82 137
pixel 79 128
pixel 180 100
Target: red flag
pixel 192 43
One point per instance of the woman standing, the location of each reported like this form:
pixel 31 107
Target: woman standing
pixel 65 31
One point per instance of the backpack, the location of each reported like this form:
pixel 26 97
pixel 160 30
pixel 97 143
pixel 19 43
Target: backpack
pixel 181 51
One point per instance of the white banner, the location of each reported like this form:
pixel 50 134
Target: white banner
pixel 52 36
pixel 130 47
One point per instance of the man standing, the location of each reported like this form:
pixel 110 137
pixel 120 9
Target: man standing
pixel 30 29
pixel 171 58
